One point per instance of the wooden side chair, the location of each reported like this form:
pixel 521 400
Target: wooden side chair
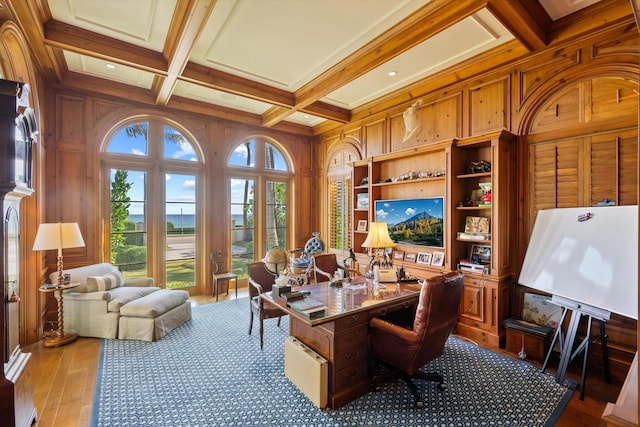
pixel 325 266
pixel 218 260
pixel 260 281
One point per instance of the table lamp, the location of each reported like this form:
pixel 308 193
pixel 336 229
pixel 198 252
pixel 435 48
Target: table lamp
pixel 378 238
pixel 60 235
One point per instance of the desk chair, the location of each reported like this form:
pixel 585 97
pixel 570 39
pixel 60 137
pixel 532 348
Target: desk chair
pixel 325 266
pixel 409 339
pixel 217 275
pixel 261 280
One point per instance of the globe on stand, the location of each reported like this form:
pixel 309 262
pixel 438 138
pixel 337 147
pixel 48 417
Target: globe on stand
pixel 276 260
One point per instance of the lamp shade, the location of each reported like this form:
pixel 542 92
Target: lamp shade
pixel 378 236
pixel 59 235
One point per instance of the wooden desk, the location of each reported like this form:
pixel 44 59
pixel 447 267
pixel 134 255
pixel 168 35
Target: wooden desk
pixel 341 336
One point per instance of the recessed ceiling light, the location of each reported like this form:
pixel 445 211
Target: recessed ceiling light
pixel 110 66
pixel 392 73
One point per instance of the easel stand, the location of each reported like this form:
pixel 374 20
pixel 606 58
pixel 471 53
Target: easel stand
pixel 567 353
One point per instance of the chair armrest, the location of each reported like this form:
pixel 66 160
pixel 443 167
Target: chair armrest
pixel 257 287
pixel 142 282
pixel 324 273
pixel 88 296
pixel 393 329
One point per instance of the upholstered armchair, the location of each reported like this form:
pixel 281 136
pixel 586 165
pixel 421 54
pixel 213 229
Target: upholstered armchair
pixel 260 281
pixel 408 340
pixel 92 309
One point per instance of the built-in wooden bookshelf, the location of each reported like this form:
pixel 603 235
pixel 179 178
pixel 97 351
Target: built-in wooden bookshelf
pixel 443 169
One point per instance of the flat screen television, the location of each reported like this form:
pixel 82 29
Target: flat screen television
pixel 413 221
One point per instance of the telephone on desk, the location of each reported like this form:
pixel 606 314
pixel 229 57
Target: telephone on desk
pixel 403 277
pixel 384 275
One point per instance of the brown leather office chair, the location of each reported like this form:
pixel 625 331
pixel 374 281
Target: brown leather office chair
pixel 325 266
pixel 410 339
pixel 261 280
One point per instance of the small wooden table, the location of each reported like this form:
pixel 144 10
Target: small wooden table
pixel 341 335
pixel 60 338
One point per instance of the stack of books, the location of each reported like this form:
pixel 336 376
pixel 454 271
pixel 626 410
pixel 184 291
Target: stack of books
pixel 308 307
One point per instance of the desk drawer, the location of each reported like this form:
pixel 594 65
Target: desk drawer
pixel 349 376
pixel 350 321
pixel 351 337
pixel 352 355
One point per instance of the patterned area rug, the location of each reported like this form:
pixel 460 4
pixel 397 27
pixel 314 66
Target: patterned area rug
pixel 210 372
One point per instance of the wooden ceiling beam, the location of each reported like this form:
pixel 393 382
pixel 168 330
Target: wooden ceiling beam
pixel 225 82
pixel 328 111
pixel 187 23
pixel 73 39
pixel 525 19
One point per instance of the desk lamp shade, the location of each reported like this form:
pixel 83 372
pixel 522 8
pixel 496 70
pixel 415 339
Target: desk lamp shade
pixel 60 235
pixel 378 236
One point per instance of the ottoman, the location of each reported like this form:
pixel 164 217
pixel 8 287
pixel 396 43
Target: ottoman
pixel 153 316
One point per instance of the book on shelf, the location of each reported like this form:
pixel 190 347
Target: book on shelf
pixel 477 225
pixel 474 236
pixel 465 265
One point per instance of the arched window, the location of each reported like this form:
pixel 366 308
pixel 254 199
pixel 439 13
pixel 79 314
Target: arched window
pixel 259 187
pixel 152 169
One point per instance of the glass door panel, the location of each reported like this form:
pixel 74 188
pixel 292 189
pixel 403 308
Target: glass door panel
pixel 181 229
pixel 276 215
pixel 242 225
pixel 128 231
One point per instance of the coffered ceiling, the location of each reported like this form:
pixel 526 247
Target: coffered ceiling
pixel 302 64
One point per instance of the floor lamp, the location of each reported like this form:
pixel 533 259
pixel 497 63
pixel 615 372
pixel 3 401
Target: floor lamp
pixel 58 236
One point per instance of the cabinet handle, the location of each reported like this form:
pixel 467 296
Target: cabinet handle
pixel 352 355
pixel 353 336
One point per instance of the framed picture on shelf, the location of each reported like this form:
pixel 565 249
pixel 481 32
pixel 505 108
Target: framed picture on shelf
pixel 480 254
pixel 423 258
pixel 410 257
pixel 362 225
pixel 476 224
pixel 398 255
pixel 437 259
pixel 362 201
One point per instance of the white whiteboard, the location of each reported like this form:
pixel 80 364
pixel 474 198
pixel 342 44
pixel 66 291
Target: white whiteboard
pixel 594 261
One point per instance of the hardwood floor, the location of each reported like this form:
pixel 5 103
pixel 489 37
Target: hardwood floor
pixel 64 380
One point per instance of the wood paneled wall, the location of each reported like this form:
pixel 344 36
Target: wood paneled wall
pixel 574 108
